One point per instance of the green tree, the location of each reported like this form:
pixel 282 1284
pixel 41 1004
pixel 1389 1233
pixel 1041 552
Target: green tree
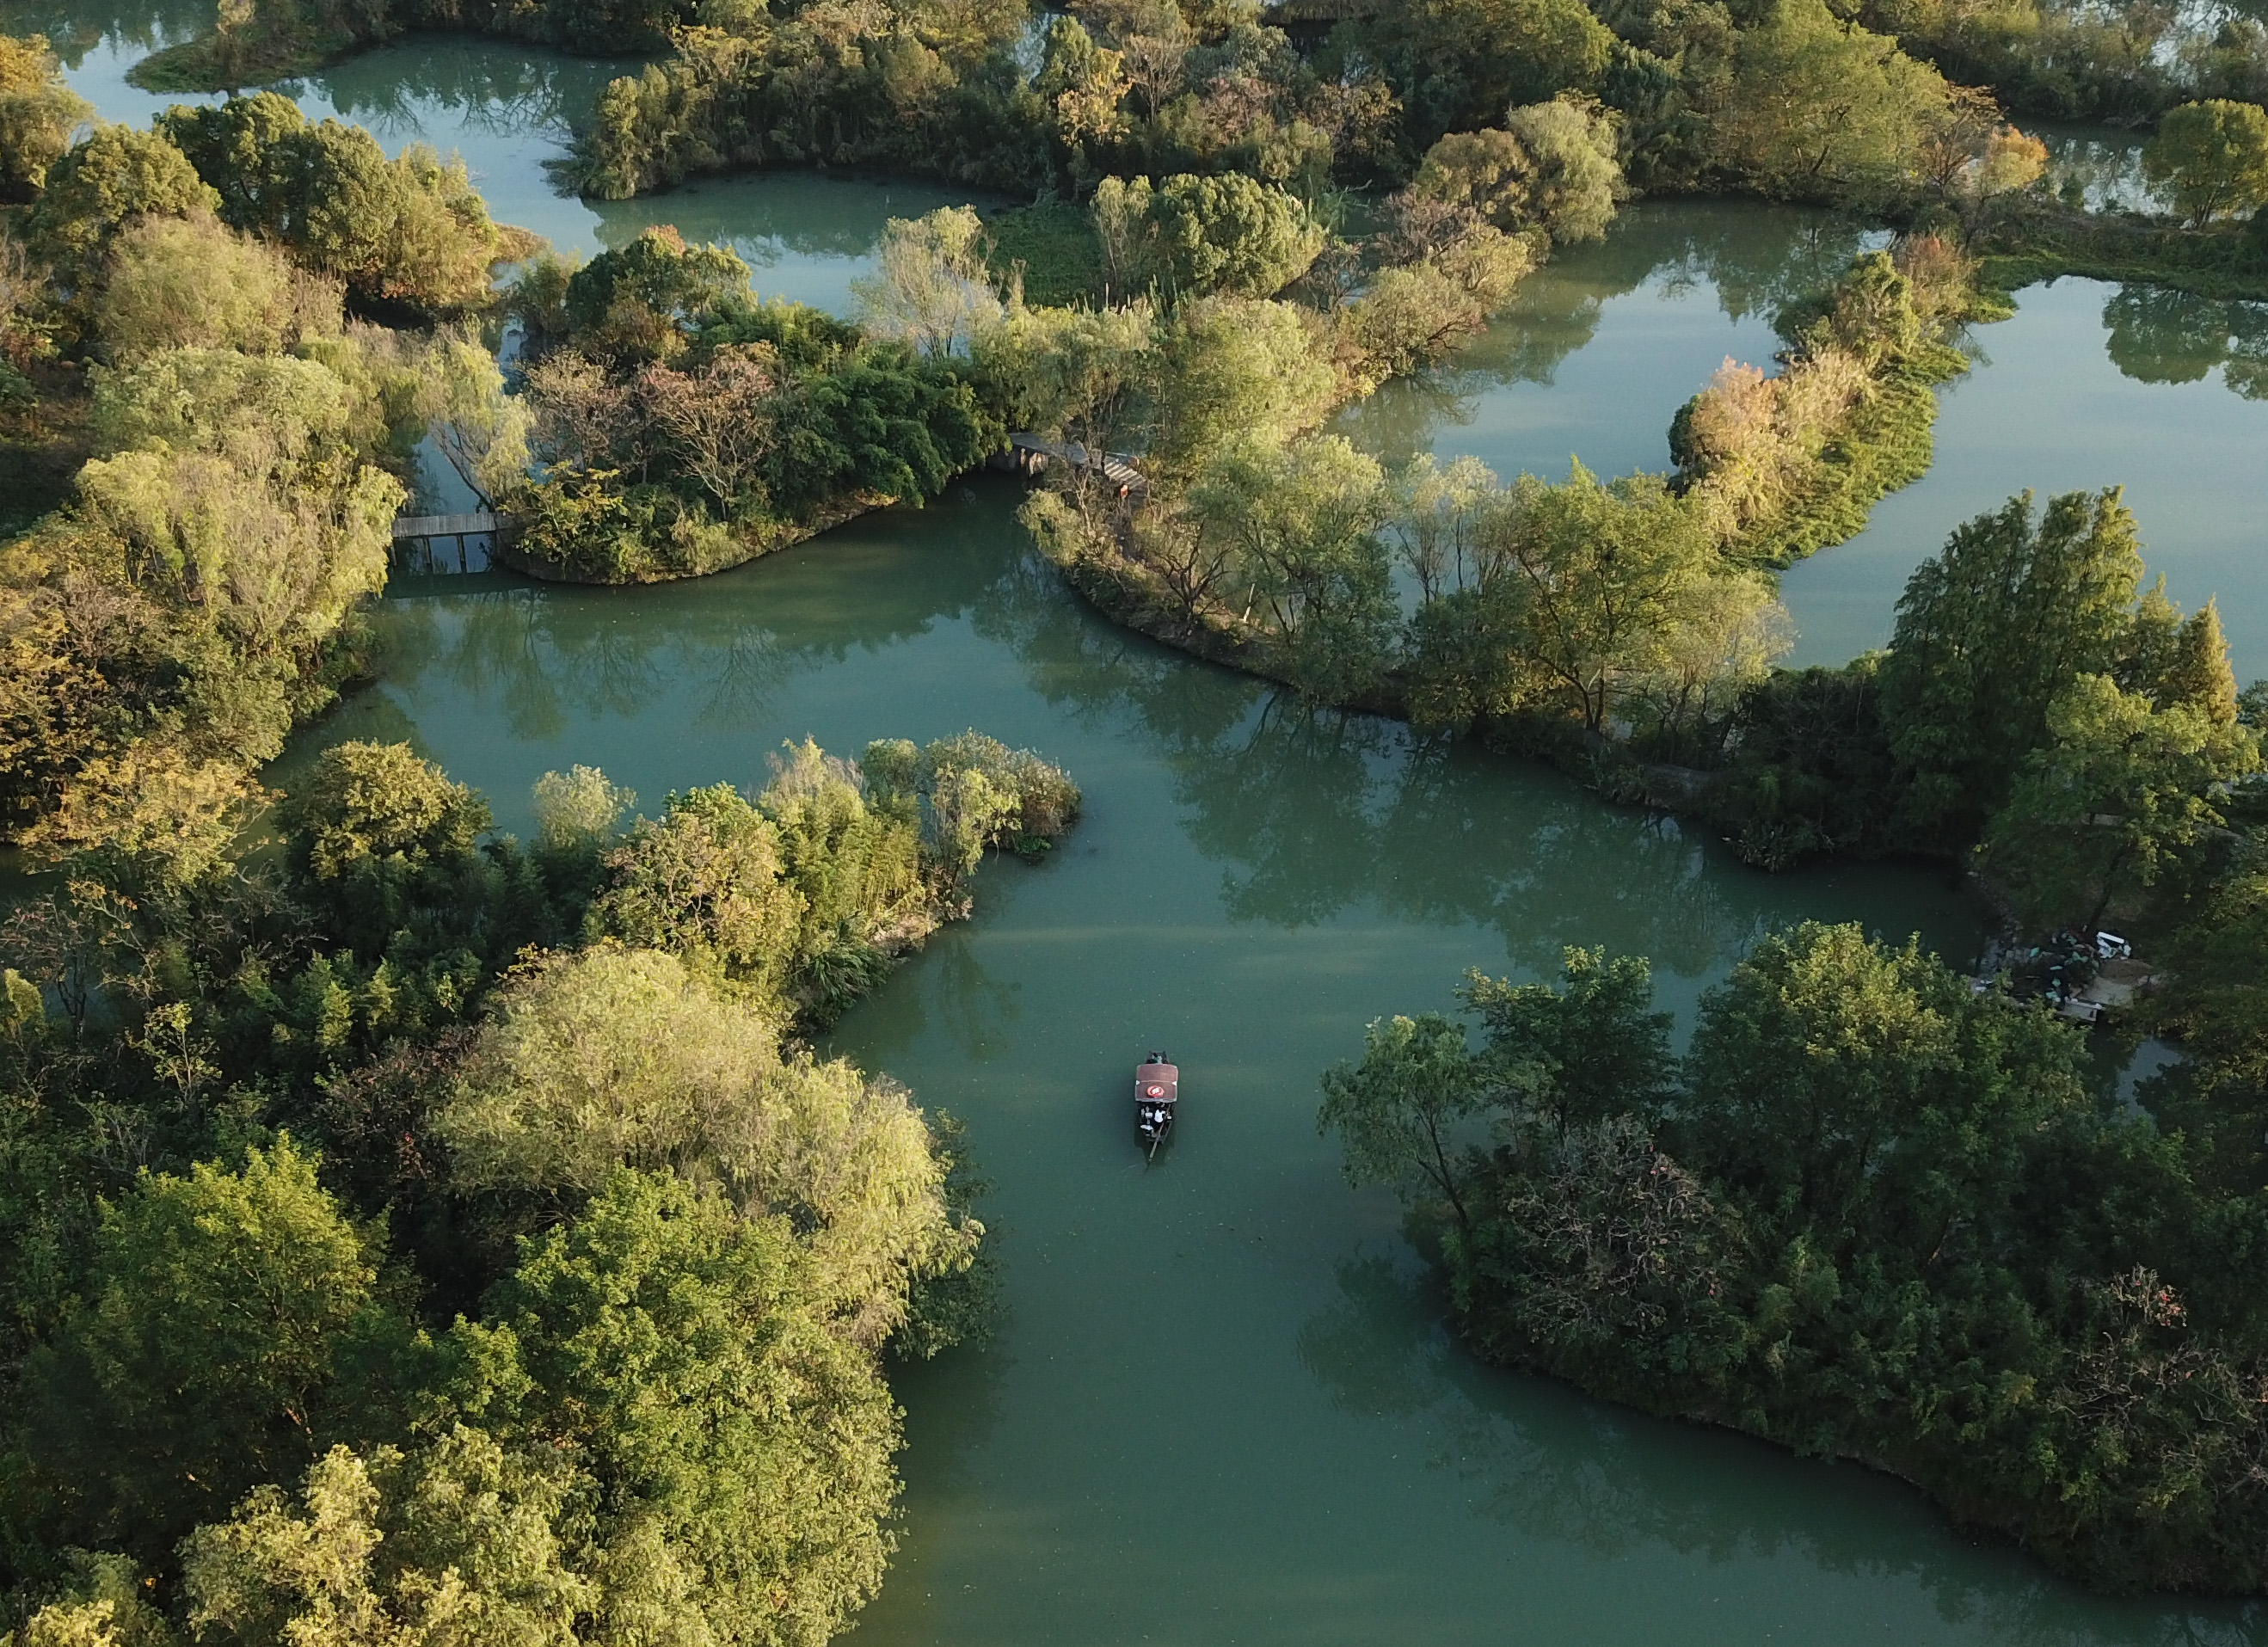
pixel 857 867
pixel 2198 674
pixel 578 808
pixel 1400 1114
pixel 1841 1089
pixel 1459 64
pixel 237 494
pixel 1079 374
pixel 176 282
pixel 1591 1048
pixel 643 300
pixel 38 113
pixel 1021 797
pixel 1552 167
pixel 470 418
pixel 1300 524
pixel 107 181
pixel 1082 85
pixel 106 1604
pixel 411 228
pixel 1233 369
pixel 703 882
pixel 931 288
pixel 218 1312
pixel 1574 178
pixel 1196 235
pixel 1818 108
pixel 2121 791
pixel 455 1541
pixel 738 1451
pixel 2214 155
pixel 1989 634
pixel 378 804
pixel 1572 596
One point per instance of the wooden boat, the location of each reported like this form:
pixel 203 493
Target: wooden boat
pixel 1157 1085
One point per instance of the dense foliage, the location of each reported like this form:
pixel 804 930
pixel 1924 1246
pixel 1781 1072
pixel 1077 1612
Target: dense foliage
pixel 1632 613
pixel 209 453
pixel 2037 697
pixel 417 1237
pixel 408 1234
pixel 1869 1214
pixel 1879 1211
pixel 684 427
pixel 431 1238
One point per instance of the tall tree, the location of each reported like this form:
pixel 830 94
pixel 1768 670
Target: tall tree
pixel 2214 155
pixel 200 1357
pixel 2121 791
pixel 1399 1112
pixel 737 1451
pixel 38 113
pixel 1573 1055
pixel 1989 634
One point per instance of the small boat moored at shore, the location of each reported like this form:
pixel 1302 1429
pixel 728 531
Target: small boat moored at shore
pixel 1157 1088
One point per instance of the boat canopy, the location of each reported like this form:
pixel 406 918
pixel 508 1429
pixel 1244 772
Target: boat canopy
pixel 1156 1083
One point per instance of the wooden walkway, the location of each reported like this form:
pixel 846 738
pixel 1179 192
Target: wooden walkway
pixel 446 526
pixel 417 539
pixel 1029 455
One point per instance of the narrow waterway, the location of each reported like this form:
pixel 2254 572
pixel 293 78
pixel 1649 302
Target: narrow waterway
pixel 1221 1407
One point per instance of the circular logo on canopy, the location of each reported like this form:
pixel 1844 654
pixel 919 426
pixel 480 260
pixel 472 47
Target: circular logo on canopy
pixel 1153 1092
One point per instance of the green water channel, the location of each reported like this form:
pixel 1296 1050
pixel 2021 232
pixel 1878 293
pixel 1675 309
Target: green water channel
pixel 2091 384
pixel 1221 1407
pixel 507 109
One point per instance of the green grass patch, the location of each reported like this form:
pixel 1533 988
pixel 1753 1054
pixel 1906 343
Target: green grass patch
pixel 2230 262
pixel 1057 245
pixel 1887 445
pixel 229 59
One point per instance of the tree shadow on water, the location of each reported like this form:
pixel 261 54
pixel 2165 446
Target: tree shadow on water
pixel 2154 335
pixel 1562 1469
pixel 1313 811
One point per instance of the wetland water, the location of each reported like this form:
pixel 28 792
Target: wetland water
pixel 1221 1407
pixel 2089 385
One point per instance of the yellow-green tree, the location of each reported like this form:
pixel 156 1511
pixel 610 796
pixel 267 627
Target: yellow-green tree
pixel 2214 156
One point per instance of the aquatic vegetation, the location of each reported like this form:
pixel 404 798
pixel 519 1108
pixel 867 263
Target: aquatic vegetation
pixel 454 1115
pixel 1870 1214
pixel 684 427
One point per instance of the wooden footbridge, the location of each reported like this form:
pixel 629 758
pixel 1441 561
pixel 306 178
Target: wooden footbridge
pixel 417 539
pixel 1029 455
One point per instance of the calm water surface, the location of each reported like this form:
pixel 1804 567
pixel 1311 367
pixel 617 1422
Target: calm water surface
pixel 1600 348
pixel 508 109
pixel 1221 1407
pixel 2091 385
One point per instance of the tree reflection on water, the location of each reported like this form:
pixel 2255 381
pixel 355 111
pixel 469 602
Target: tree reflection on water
pixel 1538 1457
pixel 2158 335
pixel 1309 813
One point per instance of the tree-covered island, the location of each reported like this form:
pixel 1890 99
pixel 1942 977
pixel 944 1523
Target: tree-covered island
pixel 411 1234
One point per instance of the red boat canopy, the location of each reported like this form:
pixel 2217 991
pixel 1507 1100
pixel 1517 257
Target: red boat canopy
pixel 1157 1083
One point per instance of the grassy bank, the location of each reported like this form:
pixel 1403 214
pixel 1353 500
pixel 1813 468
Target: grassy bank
pixel 2224 261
